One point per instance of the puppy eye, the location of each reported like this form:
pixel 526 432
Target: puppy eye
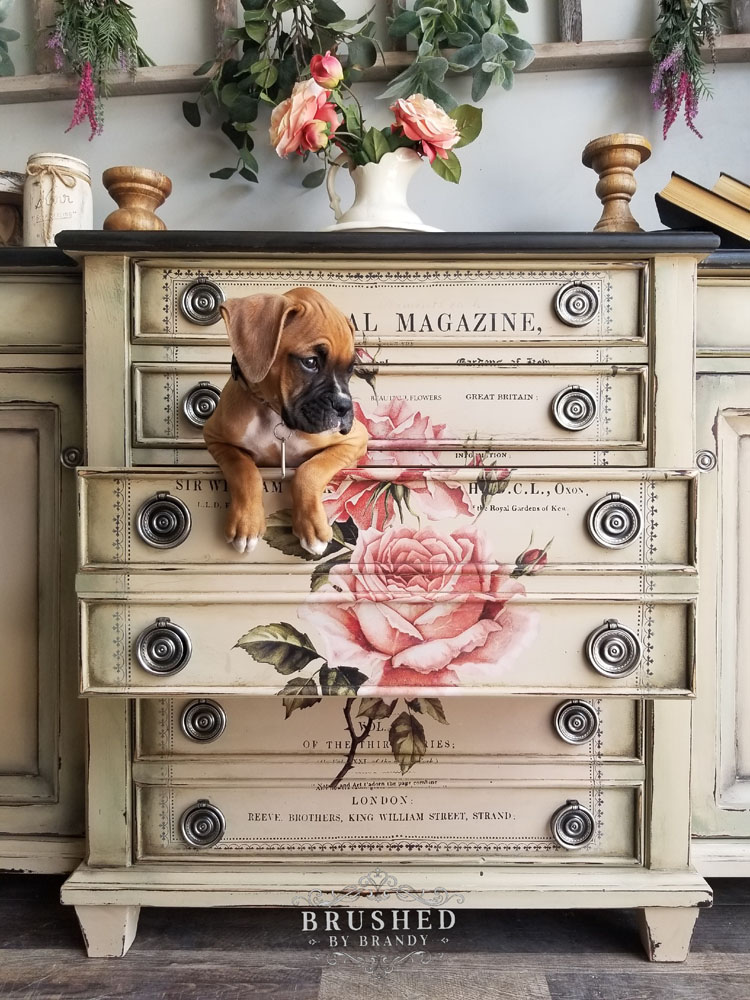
pixel 310 364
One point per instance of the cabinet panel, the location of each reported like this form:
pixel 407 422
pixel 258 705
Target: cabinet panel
pixel 41 756
pixel 722 742
pixel 40 313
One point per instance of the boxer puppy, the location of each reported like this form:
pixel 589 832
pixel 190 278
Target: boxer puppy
pixel 293 358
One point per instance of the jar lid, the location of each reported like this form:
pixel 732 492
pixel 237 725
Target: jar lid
pixel 60 160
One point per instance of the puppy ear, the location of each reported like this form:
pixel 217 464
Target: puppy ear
pixel 255 325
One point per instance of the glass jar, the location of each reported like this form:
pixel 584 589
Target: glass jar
pixel 56 196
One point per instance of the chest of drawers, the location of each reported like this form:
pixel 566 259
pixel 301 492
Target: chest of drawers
pixel 486 680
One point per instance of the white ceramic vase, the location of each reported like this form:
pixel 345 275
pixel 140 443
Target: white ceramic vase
pixel 380 191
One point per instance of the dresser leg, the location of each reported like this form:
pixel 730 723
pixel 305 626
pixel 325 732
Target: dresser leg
pixel 108 931
pixel 666 931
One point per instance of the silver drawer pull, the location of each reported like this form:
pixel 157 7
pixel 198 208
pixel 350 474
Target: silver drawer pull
pixel 576 721
pixel 203 721
pixel 202 825
pixel 200 303
pixel 163 648
pixel 163 521
pixel 613 650
pixel 614 521
pixel 577 303
pixel 572 825
pixel 199 404
pixel 574 408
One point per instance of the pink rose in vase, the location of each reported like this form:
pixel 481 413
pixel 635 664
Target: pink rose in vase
pixel 424 610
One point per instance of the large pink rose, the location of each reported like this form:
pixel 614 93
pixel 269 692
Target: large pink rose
pixel 422 120
pixel 304 121
pixel 369 500
pixel 426 610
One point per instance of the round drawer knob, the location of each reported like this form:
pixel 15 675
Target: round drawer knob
pixel 572 825
pixel 613 650
pixel 202 825
pixel 200 403
pixel 163 648
pixel 203 721
pixel 576 722
pixel 576 303
pixel 614 521
pixel 163 521
pixel 574 408
pixel 201 301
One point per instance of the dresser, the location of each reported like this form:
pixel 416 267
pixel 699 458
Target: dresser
pixel 721 751
pixel 481 694
pixel 41 442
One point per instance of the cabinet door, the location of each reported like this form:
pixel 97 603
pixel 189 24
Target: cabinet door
pixel 41 718
pixel 721 741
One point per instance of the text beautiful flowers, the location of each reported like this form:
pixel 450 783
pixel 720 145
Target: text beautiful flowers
pixel 316 118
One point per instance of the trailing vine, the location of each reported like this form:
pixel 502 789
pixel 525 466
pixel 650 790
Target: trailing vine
pixel 461 36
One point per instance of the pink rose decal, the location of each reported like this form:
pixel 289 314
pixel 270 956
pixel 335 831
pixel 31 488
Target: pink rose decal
pixel 305 121
pixel 421 120
pixel 427 611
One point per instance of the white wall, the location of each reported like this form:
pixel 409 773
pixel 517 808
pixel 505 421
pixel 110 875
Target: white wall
pixel 523 173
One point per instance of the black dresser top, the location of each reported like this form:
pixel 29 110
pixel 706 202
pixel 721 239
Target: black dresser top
pixel 353 243
pixel 34 257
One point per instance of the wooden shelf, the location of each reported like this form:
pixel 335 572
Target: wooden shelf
pixel 550 57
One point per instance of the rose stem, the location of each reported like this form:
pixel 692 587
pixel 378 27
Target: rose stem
pixel 355 743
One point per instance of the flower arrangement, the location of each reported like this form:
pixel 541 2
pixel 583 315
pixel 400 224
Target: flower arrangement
pixel 277 40
pixel 679 79
pixel 95 38
pixel 322 114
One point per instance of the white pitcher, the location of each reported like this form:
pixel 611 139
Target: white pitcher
pixel 379 194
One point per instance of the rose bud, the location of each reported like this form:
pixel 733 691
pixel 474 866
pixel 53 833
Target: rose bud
pixel 326 70
pixel 530 561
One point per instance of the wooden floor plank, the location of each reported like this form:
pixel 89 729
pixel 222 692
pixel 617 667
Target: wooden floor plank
pixel 434 982
pixel 631 986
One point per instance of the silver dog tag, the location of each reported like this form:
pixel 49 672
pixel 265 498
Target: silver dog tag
pixel 282 440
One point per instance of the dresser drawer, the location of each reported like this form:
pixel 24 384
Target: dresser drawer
pixel 41 312
pixel 445 303
pixel 514 643
pixel 206 821
pixel 448 409
pixel 538 729
pixel 533 520
pixel 723 315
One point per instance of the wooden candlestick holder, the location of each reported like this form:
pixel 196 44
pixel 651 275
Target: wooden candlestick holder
pixel 138 192
pixel 615 158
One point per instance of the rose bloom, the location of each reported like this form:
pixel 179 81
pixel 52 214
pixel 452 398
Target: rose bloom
pixel 425 610
pixel 326 70
pixel 304 121
pixel 424 121
pixel 364 496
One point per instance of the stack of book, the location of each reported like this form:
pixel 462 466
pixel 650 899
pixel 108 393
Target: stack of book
pixel 724 210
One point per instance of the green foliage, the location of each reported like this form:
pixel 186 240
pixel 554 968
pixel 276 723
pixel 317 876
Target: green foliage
pixel 464 36
pixel 100 32
pixel 6 35
pixel 280 644
pixel 407 739
pixel 277 40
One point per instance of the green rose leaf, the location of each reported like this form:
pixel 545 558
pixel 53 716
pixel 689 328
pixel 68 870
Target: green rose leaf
pixel 321 573
pixel 374 146
pixel 279 536
pixel 224 174
pixel 314 179
pixel 469 122
pixel 192 113
pixel 280 644
pixel 449 169
pixel 299 693
pixel 375 708
pixel 341 680
pixel 407 740
pixel 434 707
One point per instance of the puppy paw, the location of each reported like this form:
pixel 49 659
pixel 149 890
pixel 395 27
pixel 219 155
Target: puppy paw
pixel 311 527
pixel 244 527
